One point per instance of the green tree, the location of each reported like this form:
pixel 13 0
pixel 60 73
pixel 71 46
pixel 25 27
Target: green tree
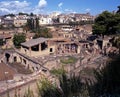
pixel 69 87
pixel 37 23
pixel 101 22
pixel 107 23
pixel 18 39
pixel 118 11
pixel 31 14
pixel 42 32
pixel 21 13
pixel 108 80
pixel 46 89
pixel 30 24
pixel 11 15
pixel 116 42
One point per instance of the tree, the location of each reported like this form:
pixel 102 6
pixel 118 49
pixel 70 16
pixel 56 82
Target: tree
pixel 18 39
pixel 30 24
pixel 101 22
pixel 11 15
pixel 107 23
pixel 33 24
pixel 108 80
pixel 31 14
pixel 21 13
pixel 46 89
pixel 42 32
pixel 116 42
pixel 37 23
pixel 118 11
pixel 69 87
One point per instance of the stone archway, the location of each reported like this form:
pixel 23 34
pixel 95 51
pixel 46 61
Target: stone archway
pixel 7 55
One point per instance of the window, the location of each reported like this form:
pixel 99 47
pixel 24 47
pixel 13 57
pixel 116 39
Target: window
pixel 35 48
pixel 33 68
pixel 15 59
pixel 20 59
pixel 44 70
pixel 51 49
pixel 43 46
pixel 24 61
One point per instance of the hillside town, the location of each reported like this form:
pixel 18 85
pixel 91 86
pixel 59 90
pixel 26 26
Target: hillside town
pixel 72 39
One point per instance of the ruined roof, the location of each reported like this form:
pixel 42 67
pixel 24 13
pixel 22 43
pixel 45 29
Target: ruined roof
pixel 34 42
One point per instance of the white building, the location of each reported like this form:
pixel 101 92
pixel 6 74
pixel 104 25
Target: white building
pixel 20 22
pixel 45 20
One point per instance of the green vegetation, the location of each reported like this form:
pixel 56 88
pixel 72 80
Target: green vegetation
pixel 57 72
pixel 29 93
pixel 1 42
pixel 46 89
pixel 33 26
pixel 107 23
pixel 11 15
pixel 108 80
pixel 107 84
pixel 116 42
pixel 18 39
pixel 68 60
pixel 21 13
pixel 30 24
pixel 42 32
pixel 69 87
pixel 118 11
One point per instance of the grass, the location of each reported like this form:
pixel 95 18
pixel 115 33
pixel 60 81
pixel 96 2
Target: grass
pixel 57 72
pixel 68 60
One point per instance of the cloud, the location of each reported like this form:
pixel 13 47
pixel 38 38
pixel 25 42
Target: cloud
pixel 40 7
pixel 42 4
pixel 88 10
pixel 16 6
pixel 13 6
pixel 69 11
pixel 60 5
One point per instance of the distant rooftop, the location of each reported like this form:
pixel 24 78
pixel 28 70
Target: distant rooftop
pixel 34 42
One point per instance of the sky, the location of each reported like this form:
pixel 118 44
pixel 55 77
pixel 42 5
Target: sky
pixel 62 6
